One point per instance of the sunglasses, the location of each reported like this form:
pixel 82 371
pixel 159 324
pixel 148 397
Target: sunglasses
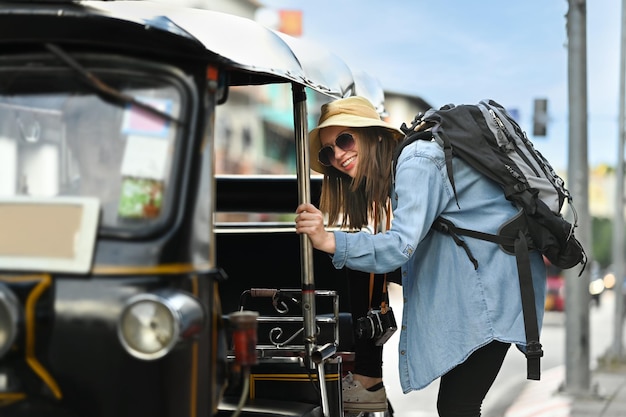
pixel 326 156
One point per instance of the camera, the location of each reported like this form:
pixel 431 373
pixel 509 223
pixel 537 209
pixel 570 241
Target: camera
pixel 377 326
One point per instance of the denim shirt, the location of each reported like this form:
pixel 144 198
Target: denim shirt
pixel 450 309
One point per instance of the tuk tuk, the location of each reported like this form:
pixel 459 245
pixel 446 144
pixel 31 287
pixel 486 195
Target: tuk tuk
pixel 122 292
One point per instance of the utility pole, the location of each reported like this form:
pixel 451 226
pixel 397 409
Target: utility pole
pixel 617 350
pixel 577 372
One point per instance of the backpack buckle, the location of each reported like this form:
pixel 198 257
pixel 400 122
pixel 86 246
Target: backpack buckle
pixel 533 350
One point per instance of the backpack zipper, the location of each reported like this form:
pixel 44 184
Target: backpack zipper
pixel 511 141
pixel 556 181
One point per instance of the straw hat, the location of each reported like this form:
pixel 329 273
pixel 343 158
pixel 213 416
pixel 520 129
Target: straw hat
pixel 352 111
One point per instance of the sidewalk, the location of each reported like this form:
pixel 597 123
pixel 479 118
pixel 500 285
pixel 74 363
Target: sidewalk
pixel 545 398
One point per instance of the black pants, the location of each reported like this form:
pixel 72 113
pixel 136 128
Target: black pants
pixel 463 389
pixel 368 358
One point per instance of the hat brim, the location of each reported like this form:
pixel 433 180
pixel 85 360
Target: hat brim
pixel 343 120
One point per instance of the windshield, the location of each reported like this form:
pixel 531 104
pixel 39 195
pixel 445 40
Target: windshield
pixel 59 137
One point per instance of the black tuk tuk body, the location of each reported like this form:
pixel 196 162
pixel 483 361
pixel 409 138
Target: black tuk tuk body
pixel 106 118
pixel 116 283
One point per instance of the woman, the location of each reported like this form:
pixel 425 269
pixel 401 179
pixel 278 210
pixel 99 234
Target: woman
pixel 458 322
pixel 357 198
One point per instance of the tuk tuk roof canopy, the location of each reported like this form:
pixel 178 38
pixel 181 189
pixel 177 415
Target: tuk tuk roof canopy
pixel 254 53
pixel 245 45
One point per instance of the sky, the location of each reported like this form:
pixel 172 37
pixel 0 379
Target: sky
pixel 458 51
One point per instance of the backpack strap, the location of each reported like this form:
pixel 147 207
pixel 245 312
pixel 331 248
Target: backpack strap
pixel 444 225
pixel 410 137
pixel 533 348
pixel 447 227
pixel 447 151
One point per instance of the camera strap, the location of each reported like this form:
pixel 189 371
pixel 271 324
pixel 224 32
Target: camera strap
pixel 384 302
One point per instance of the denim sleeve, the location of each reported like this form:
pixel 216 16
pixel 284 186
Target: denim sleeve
pixel 420 195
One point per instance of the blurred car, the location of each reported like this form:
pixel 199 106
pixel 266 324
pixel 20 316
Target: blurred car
pixel 555 293
pixel 596 283
pixel 555 288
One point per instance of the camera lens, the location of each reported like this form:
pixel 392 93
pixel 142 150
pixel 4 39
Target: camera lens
pixel 365 328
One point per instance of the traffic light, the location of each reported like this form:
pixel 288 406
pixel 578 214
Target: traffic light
pixel 540 117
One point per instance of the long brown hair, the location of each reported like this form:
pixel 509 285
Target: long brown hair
pixel 359 200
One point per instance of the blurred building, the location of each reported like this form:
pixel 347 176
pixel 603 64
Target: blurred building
pixel 403 108
pixel 264 142
pixel 602 189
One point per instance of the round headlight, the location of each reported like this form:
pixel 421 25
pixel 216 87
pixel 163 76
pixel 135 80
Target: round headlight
pixel 151 324
pixel 9 316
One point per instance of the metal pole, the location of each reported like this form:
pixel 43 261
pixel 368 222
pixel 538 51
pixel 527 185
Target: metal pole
pixel 577 373
pixel 617 351
pixel 304 196
pixel 306 249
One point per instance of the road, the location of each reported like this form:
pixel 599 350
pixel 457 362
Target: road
pixel 511 379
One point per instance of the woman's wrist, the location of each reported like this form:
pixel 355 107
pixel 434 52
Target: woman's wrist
pixel 328 245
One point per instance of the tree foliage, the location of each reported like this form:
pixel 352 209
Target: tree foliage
pixel 602 241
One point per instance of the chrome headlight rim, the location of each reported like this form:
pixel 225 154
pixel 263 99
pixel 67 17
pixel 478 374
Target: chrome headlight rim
pixel 158 300
pixel 185 318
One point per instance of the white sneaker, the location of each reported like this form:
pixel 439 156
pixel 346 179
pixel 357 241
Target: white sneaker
pixel 357 398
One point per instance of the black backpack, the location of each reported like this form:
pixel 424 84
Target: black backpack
pixel 490 140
